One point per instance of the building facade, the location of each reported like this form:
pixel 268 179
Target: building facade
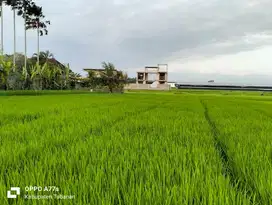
pixel 153 74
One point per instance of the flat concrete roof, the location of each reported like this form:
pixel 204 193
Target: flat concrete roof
pixel 94 69
pixel 151 71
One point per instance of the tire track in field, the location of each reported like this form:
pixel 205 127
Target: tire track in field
pixel 269 116
pixel 238 181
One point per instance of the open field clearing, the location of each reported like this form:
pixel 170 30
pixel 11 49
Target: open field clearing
pixel 187 148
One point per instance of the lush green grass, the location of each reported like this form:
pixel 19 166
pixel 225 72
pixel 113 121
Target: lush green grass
pixel 138 148
pixel 204 92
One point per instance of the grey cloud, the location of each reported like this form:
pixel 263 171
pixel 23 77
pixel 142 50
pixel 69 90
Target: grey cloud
pixel 216 48
pixel 136 33
pixel 220 22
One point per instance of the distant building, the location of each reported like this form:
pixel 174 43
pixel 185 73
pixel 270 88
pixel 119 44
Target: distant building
pixel 221 86
pixel 172 84
pixel 159 74
pixel 151 78
pixel 97 72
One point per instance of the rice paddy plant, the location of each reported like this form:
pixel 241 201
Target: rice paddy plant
pixel 134 149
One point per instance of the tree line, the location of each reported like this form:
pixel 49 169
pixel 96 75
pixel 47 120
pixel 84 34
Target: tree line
pixel 50 74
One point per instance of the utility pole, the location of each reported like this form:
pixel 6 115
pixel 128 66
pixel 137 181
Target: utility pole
pixel 38 41
pixel 2 29
pixel 25 34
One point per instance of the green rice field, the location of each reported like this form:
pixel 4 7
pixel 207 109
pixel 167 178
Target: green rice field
pixel 191 148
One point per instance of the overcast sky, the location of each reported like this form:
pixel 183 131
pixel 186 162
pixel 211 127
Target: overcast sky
pixel 224 40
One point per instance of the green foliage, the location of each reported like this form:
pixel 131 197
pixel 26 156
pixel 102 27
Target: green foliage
pixel 109 77
pixel 5 69
pixel 51 74
pixel 44 55
pixel 48 74
pixel 131 80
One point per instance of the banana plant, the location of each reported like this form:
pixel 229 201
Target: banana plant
pixel 36 74
pixel 5 69
pixel 48 75
pixel 33 72
pixel 24 76
pixel 42 70
pixel 57 72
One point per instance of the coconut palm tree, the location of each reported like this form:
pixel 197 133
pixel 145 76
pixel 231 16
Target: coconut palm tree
pixel 44 55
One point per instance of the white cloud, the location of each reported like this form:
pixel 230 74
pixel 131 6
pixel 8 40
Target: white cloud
pixel 244 63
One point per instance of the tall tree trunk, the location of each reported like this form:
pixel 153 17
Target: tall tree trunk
pixel 111 89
